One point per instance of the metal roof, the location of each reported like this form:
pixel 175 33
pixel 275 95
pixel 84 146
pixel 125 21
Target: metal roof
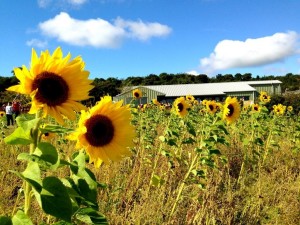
pixel 200 89
pixel 263 82
pixel 205 89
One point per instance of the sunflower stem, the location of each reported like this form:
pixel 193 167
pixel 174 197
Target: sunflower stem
pixel 33 145
pixel 182 185
pixel 268 141
pixel 157 156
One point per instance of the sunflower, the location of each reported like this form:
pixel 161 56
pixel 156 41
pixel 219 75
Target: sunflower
pixel 256 108
pixel 279 109
pixel 204 102
pixel 264 97
pixel 231 110
pixel 211 107
pixel 48 136
pixel 290 108
pixel 105 131
pixel 190 98
pixel 219 106
pixel 55 84
pixel 181 106
pixel 246 108
pixel 155 102
pixel 2 113
pixel 137 93
pixel 202 111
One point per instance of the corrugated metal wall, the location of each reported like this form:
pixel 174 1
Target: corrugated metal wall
pixel 246 95
pixel 271 89
pixel 149 94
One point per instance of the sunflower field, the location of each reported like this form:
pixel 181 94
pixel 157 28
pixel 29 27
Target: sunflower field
pixel 190 163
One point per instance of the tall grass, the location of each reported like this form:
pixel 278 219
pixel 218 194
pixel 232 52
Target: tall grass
pixel 192 170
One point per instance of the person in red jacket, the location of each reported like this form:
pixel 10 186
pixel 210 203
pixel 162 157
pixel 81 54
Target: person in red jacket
pixel 16 107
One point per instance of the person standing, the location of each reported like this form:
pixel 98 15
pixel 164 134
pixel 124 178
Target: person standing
pixel 9 114
pixel 16 108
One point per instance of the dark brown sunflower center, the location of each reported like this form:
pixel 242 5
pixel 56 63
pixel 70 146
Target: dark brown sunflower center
pixel 256 108
pixel 231 110
pixel 180 107
pixel 136 94
pixel 53 90
pixel 100 130
pixel 211 107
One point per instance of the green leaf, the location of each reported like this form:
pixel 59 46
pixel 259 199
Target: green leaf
pixel 60 223
pixel 214 152
pixel 162 138
pixel 22 135
pixel 52 128
pixel 90 216
pixel 27 124
pixel 18 137
pixel 84 178
pixel 189 140
pixel 171 142
pixel 259 141
pixel 199 173
pixel 89 194
pixel 47 152
pixel 31 175
pixel 55 199
pixel 27 157
pixel 215 137
pixel 246 142
pixel 191 129
pixel 156 180
pixel 21 219
pixel 166 153
pixel 202 144
pixel 5 220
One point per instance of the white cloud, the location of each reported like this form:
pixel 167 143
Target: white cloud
pixel 99 32
pixel 193 72
pixel 143 31
pixel 37 43
pixel 46 3
pixel 92 32
pixel 43 3
pixel 76 2
pixel 252 52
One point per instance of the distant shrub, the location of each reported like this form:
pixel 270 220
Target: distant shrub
pixel 287 100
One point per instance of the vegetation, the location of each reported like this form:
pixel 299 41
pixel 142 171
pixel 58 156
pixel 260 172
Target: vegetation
pixel 113 86
pixel 189 163
pixel 195 169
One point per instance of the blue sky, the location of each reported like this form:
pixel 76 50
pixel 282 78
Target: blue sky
pixel 122 38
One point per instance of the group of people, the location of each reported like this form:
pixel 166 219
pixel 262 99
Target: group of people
pixel 12 111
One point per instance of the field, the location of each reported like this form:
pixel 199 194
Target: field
pixel 195 169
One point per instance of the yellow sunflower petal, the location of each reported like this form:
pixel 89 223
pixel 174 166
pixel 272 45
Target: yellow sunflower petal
pixel 105 131
pixel 54 83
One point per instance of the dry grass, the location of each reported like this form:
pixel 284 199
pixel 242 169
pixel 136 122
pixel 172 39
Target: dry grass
pixel 243 191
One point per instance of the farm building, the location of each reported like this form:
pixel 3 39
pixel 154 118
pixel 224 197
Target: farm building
pixel 248 90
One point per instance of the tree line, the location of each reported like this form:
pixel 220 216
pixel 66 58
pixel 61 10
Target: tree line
pixel 113 86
